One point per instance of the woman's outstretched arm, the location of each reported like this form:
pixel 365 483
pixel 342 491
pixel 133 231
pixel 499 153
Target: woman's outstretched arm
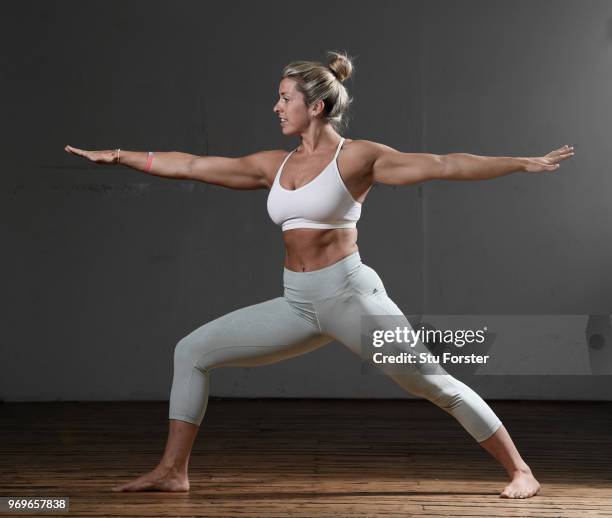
pixel 394 167
pixel 246 172
pixel 463 166
pixel 170 164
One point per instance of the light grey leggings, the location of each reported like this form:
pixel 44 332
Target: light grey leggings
pixel 317 307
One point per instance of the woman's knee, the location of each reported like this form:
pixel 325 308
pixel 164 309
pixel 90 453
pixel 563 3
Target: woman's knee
pixel 192 352
pixel 446 396
pixel 436 388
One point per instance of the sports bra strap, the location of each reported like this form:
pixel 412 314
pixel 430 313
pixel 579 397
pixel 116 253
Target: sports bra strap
pixel 282 166
pixel 339 146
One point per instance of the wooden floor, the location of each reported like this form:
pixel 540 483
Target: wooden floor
pixel 309 458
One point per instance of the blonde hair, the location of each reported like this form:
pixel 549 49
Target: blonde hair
pixel 317 81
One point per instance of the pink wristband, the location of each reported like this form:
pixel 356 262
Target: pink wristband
pixel 149 162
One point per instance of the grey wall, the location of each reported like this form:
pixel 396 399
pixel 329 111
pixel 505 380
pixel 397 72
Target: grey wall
pixel 106 268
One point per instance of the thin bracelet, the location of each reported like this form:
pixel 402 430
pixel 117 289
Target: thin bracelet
pixel 118 155
pixel 149 162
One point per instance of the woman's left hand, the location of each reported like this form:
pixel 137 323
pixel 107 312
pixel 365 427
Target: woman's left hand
pixel 549 162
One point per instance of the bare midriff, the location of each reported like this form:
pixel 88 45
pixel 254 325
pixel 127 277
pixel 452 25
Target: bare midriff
pixel 309 249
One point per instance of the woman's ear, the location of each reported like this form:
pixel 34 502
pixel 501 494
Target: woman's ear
pixel 317 108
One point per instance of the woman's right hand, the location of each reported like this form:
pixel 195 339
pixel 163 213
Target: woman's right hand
pixel 99 157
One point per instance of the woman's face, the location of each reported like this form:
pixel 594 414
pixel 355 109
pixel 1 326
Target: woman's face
pixel 291 108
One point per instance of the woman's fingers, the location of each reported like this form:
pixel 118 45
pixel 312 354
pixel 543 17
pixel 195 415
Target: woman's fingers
pixel 99 157
pixel 562 153
pixel 551 161
pixel 77 151
pixel 564 149
pixel 74 150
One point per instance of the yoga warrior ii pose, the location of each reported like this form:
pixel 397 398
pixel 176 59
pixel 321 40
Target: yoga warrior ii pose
pixel 316 193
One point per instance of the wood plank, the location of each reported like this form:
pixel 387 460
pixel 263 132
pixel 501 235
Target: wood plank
pixel 309 458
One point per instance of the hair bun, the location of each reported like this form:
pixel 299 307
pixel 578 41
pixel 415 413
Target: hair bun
pixel 340 64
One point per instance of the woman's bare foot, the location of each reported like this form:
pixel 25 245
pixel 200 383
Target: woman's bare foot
pixel 160 479
pixel 523 485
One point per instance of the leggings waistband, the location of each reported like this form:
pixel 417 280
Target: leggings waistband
pixel 323 283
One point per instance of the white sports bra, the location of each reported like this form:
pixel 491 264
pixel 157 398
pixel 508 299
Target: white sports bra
pixel 324 202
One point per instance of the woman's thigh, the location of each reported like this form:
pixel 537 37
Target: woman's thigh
pixel 365 302
pixel 259 334
pixel 364 308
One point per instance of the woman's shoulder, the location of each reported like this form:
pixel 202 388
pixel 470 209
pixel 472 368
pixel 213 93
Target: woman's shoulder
pixel 365 146
pixel 269 162
pixel 363 151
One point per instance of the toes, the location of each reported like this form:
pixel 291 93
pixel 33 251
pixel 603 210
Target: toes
pixel 128 486
pixel 516 494
pixel 512 494
pixel 151 484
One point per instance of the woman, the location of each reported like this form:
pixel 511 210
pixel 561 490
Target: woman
pixel 316 194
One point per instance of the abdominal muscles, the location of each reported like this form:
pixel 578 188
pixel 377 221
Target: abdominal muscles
pixel 308 249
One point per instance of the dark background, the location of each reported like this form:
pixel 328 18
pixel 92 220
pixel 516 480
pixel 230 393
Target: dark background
pixel 106 268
